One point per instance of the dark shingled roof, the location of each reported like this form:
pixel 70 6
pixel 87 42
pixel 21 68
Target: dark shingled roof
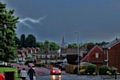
pixel 112 43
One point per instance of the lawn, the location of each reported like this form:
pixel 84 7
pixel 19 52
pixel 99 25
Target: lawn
pixel 8 69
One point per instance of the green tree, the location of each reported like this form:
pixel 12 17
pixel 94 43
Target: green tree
pixel 7 34
pixel 22 41
pixel 38 44
pixel 46 45
pixel 31 41
pixel 101 43
pixel 74 45
pixel 54 46
pixel 17 42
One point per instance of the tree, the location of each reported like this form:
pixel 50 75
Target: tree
pixel 7 34
pixel 17 42
pixel 22 41
pixel 54 46
pixel 74 45
pixel 31 41
pixel 101 43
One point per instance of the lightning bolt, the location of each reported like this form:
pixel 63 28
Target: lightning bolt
pixel 23 21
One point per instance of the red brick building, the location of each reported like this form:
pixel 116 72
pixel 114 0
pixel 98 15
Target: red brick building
pixel 95 56
pixel 108 54
pixel 112 54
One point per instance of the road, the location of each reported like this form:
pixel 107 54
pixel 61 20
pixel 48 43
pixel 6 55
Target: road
pixel 64 77
pixel 44 74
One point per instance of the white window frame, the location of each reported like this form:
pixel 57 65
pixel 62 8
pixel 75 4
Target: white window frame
pixel 96 55
pixel 48 56
pixel 53 56
pixel 43 56
pixel 42 61
pixel 38 56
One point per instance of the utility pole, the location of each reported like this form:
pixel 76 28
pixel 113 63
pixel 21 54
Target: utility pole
pixel 78 49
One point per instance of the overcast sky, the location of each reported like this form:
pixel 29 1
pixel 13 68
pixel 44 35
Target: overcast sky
pixel 94 20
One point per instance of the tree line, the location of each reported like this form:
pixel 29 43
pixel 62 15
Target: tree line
pixel 30 41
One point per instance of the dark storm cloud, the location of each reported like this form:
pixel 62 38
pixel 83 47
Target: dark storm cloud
pixel 94 20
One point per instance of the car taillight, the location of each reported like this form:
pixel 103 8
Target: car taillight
pixel 59 71
pixel 53 71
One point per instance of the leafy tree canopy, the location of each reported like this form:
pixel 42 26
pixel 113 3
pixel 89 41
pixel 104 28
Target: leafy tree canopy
pixel 7 33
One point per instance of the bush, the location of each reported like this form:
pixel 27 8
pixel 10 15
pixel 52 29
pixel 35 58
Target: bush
pixel 103 70
pixel 38 64
pixel 91 69
pixel 76 70
pixel 113 70
pixel 82 72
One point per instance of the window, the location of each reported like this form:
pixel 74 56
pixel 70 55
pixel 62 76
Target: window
pixel 48 56
pixel 97 55
pixel 38 56
pixel 53 56
pixel 42 61
pixel 43 56
pixel 48 61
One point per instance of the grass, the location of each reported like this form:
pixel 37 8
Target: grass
pixel 9 69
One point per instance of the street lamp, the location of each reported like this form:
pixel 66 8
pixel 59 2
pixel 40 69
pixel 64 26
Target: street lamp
pixel 49 55
pixel 78 49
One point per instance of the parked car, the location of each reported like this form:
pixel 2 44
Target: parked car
pixel 31 64
pixel 55 71
pixel 21 63
pixel 62 66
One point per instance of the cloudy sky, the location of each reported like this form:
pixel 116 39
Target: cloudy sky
pixel 94 20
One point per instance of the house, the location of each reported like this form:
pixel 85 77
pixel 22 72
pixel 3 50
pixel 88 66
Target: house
pixel 112 54
pixel 46 57
pixel 24 53
pixel 95 56
pixel 108 54
pixel 72 54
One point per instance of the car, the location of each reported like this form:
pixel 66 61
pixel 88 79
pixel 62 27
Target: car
pixel 62 66
pixel 31 65
pixel 21 63
pixel 54 71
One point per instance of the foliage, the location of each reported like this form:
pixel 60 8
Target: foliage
pixel 113 70
pixel 74 45
pixel 17 41
pixel 54 46
pixel 103 69
pixel 88 43
pixel 101 43
pixel 7 34
pixel 28 61
pixel 91 68
pixel 30 41
pixel 82 71
pixel 38 64
pixel 22 41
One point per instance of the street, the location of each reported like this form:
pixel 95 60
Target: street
pixel 63 77
pixel 44 74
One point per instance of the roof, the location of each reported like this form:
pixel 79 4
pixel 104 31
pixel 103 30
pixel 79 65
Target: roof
pixel 91 51
pixel 112 43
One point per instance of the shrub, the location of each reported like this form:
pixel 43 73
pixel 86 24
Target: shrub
pixel 76 70
pixel 103 70
pixel 113 70
pixel 39 64
pixel 82 71
pixel 91 68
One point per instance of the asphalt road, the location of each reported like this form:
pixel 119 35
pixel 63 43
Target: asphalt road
pixel 44 74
